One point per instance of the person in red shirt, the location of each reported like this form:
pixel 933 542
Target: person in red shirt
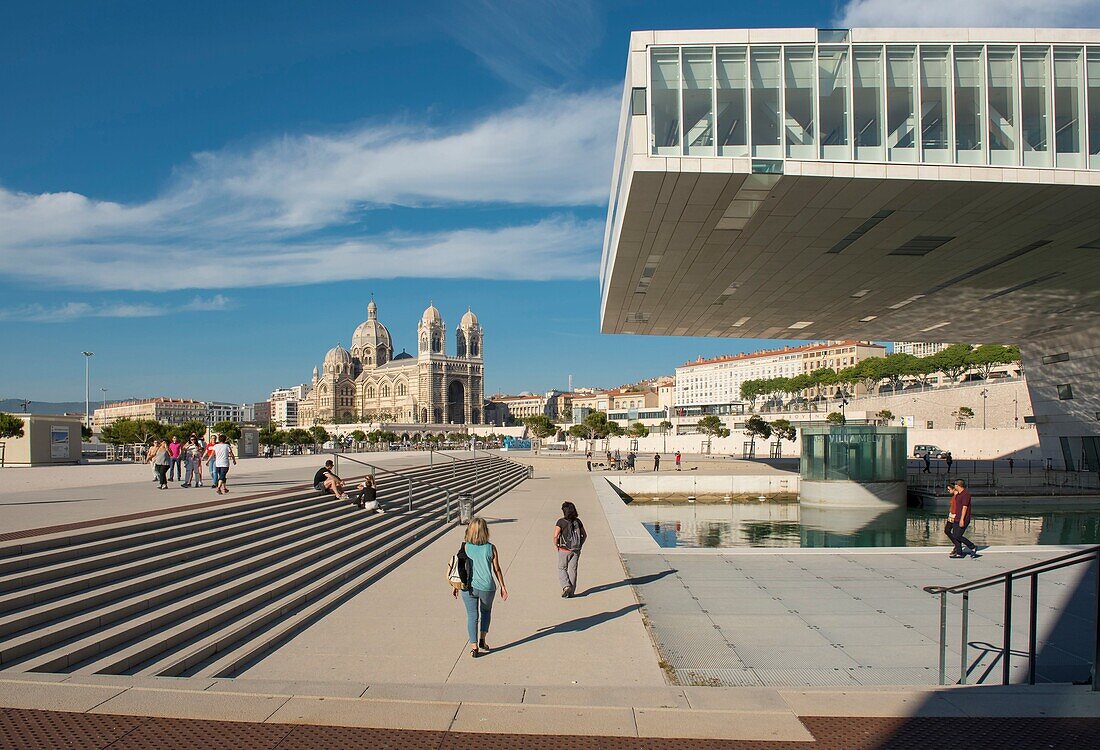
pixel 959 519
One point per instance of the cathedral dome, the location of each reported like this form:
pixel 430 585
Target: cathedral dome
pixel 338 355
pixel 371 333
pixel 469 320
pixel 431 315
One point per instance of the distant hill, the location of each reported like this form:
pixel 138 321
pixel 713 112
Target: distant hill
pixel 15 406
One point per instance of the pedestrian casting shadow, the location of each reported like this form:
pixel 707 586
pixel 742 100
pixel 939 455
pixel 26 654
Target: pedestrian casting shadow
pixel 635 581
pixel 573 626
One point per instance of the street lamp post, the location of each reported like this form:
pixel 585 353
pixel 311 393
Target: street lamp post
pixel 87 392
pixel 985 397
pixel 104 392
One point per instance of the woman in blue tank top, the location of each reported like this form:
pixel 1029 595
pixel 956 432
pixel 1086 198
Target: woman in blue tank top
pixel 479 568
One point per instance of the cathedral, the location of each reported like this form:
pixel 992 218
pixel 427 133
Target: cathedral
pixel 370 383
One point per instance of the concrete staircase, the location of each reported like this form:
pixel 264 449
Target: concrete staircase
pixel 209 591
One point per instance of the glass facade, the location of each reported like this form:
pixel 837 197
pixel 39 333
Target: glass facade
pixel 860 453
pixel 973 104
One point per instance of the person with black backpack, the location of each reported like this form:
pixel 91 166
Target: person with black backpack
pixel 569 537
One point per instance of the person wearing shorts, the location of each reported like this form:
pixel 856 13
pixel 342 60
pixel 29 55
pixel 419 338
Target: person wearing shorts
pixel 223 454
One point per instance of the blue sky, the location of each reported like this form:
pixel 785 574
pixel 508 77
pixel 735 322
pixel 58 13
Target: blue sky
pixel 206 193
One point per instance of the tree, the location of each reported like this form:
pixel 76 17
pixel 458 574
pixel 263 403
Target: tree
pixel 319 434
pixel 836 418
pixel 10 426
pixel 637 430
pixel 987 356
pixel 613 429
pixel 299 436
pixel 596 425
pixel 923 368
pixel 885 415
pixel 85 432
pixel 871 372
pixel 665 426
pixel 270 436
pixel 953 361
pixel 784 430
pixel 962 415
pixel 359 436
pixel 540 426
pixel 897 366
pixel 231 430
pixel 578 431
pixel 756 427
pixel 145 430
pixel 752 390
pixel 196 426
pixel 710 425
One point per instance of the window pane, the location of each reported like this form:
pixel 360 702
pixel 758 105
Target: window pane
pixel 1094 107
pixel 1003 79
pixel 698 85
pixel 799 123
pixel 969 123
pixel 867 95
pixel 833 83
pixel 900 121
pixel 765 104
pixel 1067 108
pixel 665 97
pixel 1034 92
pixel 732 82
pixel 935 104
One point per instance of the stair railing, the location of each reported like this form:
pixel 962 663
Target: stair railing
pixel 409 480
pixel 1005 579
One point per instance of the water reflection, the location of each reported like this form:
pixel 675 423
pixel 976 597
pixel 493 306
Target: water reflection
pixel 773 524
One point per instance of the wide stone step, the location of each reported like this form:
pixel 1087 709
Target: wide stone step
pixel 231 655
pixel 117 616
pixel 195 621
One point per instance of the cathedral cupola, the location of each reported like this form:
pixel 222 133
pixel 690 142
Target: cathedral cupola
pixel 432 334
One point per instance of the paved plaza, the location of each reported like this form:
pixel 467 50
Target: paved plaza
pixel 745 648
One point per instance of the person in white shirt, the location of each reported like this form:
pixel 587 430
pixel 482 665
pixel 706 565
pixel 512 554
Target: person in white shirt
pixel 223 454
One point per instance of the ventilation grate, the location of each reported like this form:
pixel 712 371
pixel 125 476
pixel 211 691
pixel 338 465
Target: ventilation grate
pixel 921 245
pixel 859 231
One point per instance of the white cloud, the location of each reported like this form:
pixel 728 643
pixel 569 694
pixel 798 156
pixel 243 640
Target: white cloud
pixel 528 43
pixel 74 310
pixel 298 209
pixel 980 13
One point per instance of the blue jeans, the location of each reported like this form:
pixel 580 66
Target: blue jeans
pixel 213 472
pixel 192 467
pixel 477 601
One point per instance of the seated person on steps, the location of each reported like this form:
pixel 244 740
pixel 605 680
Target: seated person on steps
pixel 325 480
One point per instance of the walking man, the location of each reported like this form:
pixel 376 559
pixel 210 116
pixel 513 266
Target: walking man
pixel 947 457
pixel 223 454
pixel 677 460
pixel 656 461
pixel 588 460
pixel 927 462
pixel 959 519
pixel 175 450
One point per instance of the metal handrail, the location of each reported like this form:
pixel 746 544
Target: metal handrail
pixel 1006 578
pixel 410 480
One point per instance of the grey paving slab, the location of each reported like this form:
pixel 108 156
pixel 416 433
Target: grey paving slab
pixel 54 696
pixel 406 629
pixel 782 726
pixel 879 703
pixel 670 697
pixel 872 607
pixel 536 719
pixel 288 687
pixel 194 704
pixel 365 713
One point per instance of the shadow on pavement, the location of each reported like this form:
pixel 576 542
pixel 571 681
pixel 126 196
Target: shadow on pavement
pixel 572 626
pixel 635 581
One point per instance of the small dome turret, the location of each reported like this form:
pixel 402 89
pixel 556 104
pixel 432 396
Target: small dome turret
pixel 469 320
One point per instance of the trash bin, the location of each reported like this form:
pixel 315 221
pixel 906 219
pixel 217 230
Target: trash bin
pixel 465 508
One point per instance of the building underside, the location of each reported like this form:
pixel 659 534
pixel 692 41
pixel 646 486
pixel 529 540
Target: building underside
pixel 814 248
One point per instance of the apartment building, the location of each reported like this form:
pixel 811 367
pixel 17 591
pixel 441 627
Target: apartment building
pixel 167 410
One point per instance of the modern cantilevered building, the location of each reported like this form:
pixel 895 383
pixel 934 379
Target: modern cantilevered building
pixel 868 184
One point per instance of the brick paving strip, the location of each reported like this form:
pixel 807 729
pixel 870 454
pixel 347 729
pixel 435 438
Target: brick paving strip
pixel 27 729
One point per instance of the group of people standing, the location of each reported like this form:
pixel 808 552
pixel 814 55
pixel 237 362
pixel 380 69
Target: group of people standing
pixel 475 573
pixel 176 461
pixel 616 462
